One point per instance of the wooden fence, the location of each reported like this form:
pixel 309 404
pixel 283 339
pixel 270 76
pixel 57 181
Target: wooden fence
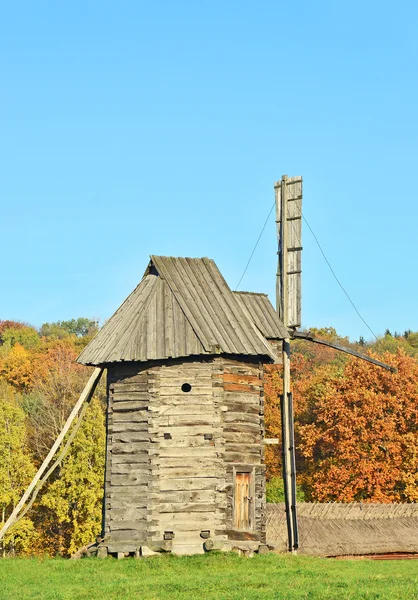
pixel 337 529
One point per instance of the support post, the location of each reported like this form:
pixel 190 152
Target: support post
pixel 282 306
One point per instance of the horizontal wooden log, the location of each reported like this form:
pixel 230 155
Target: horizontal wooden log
pixel 173 471
pixel 197 390
pixel 196 462
pixel 185 521
pixel 192 408
pixel 243 437
pixel 250 458
pixel 115 547
pixel 186 453
pixel 132 448
pixel 136 524
pixel 199 378
pixel 241 417
pixel 194 497
pixel 241 407
pixel 184 400
pixel 184 430
pixel 126 427
pixel 130 386
pixel 127 514
pixel 188 483
pixel 122 502
pixel 125 535
pixel 242 379
pixel 129 406
pixel 184 442
pixel 230 366
pixel 135 458
pixel 184 507
pixel 120 469
pixel 128 479
pixel 235 534
pixel 130 417
pixel 126 437
pixel 240 388
pixel 245 399
pixel 185 420
pixel 247 427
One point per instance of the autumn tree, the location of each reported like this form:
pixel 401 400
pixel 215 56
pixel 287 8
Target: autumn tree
pixel 16 468
pixel 358 431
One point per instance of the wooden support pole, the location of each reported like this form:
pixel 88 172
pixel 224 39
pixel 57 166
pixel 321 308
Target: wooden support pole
pixel 282 305
pixel 286 443
pixel 85 394
pixel 300 335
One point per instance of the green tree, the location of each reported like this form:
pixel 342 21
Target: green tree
pixel 79 327
pixel 25 335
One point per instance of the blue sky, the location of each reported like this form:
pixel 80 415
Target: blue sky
pixel 137 128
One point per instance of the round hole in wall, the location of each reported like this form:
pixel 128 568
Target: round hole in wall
pixel 186 387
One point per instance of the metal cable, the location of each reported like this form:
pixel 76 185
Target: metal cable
pixel 256 244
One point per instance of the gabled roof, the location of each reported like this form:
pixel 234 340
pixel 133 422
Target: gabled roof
pixel 263 314
pixel 182 307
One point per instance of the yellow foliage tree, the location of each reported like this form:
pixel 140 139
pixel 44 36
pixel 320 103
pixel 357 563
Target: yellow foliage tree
pixel 72 504
pixel 16 469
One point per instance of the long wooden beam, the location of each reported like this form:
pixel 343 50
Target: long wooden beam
pixel 307 336
pixel 85 395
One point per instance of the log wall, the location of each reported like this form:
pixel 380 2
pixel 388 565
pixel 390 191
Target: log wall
pixel 172 455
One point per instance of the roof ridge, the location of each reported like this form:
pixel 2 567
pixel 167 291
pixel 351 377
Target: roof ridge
pixel 252 293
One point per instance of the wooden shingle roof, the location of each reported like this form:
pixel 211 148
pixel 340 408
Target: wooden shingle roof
pixel 263 314
pixel 182 307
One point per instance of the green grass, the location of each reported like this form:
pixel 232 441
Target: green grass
pixel 208 577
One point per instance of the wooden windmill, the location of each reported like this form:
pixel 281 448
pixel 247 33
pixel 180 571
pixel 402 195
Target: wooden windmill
pixel 184 356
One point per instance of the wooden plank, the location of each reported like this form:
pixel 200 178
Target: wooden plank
pixel 131 417
pixel 197 390
pixel 242 379
pixel 134 525
pixel 174 471
pixel 192 497
pixel 139 448
pixel 123 503
pixel 241 417
pixel 188 483
pixel 190 409
pixel 186 453
pixel 120 469
pixel 186 421
pixel 130 405
pixel 244 457
pixel 184 442
pixel 126 437
pixel 197 377
pixel 126 535
pixel 134 458
pixel 128 479
pixel 141 401
pixel 241 388
pixel 128 514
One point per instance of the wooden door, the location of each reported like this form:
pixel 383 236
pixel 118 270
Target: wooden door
pixel 243 501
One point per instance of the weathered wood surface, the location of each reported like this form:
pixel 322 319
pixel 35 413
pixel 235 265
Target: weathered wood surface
pixel 171 454
pixel 181 307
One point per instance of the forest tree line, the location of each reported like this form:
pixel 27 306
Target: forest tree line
pixel 356 428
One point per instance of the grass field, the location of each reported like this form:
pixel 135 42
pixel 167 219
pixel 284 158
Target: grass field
pixel 208 577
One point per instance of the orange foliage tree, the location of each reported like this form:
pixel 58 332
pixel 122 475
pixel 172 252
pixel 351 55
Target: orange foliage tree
pixel 357 430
